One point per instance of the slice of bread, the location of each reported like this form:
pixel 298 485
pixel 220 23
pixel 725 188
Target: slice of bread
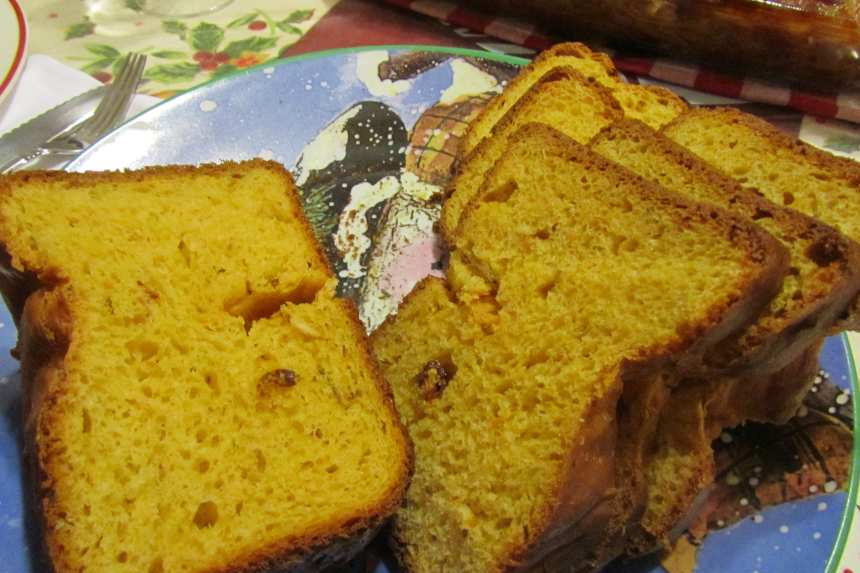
pixel 562 98
pixel 786 171
pixel 197 399
pixel 825 266
pixel 509 389
pixel 696 414
pixel 654 106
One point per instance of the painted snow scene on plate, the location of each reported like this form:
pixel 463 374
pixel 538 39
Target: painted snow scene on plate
pixel 371 137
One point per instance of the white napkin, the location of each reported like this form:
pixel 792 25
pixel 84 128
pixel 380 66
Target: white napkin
pixel 45 83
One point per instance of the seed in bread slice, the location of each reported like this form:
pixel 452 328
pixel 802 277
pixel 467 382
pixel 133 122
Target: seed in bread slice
pixel 653 105
pixel 197 399
pixel 786 171
pixel 509 394
pixel 825 266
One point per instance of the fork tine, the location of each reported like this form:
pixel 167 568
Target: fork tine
pixel 115 103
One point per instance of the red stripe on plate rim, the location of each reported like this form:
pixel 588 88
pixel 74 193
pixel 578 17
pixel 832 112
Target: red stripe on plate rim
pixel 22 45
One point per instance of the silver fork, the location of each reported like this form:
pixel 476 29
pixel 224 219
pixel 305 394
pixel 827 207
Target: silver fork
pixel 110 111
pixel 107 115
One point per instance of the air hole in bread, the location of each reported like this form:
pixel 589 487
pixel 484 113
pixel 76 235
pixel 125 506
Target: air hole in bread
pixel 260 460
pixel 87 422
pixel 157 566
pixel 206 515
pixel 545 286
pixel 211 380
pixel 142 349
pixel 239 507
pixel 787 198
pixel 542 234
pixel 501 193
pixel 201 466
pixel 536 358
pixel 435 376
pixel 122 557
pixel 254 306
pixel 331 469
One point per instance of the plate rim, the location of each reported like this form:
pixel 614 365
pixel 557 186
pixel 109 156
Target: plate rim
pixel 11 74
pixel 276 62
pixel 850 513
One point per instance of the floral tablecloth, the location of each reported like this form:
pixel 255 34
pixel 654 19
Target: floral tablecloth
pixel 93 35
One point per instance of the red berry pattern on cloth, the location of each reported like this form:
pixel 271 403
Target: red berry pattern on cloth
pixel 211 50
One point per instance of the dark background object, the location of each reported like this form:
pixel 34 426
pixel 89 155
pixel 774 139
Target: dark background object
pixel 814 44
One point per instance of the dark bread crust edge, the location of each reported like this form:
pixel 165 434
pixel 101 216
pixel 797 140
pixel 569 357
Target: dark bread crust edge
pixel 574 508
pixel 819 314
pixel 504 128
pixel 772 398
pixel 566 49
pixel 768 258
pixel 46 328
pixel 847 169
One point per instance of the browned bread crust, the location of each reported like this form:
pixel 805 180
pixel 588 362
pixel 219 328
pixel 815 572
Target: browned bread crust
pixel 47 327
pixel 598 108
pixel 577 505
pixel 598 62
pixel 768 261
pixel 697 412
pixel 735 144
pixel 825 264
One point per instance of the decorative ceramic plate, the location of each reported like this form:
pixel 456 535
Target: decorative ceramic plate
pixel 370 136
pixel 13 44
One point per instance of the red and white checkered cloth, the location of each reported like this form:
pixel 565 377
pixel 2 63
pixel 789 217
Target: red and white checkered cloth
pixel 841 106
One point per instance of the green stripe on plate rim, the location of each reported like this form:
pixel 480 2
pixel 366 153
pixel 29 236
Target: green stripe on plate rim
pixel 849 513
pixel 851 344
pixel 514 60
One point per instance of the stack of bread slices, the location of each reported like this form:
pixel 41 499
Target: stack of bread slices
pixel 627 277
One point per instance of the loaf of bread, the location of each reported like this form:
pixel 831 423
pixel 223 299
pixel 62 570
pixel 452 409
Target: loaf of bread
pixel 197 399
pixel 652 105
pixel 794 174
pixel 508 376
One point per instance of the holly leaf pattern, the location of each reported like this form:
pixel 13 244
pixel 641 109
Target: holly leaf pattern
pixel 299 16
pixel 243 21
pixel 174 27
pixel 79 30
pixel 98 65
pixel 168 55
pixel 206 37
pixel 136 5
pixel 103 50
pixel 287 27
pixel 253 44
pixel 172 73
